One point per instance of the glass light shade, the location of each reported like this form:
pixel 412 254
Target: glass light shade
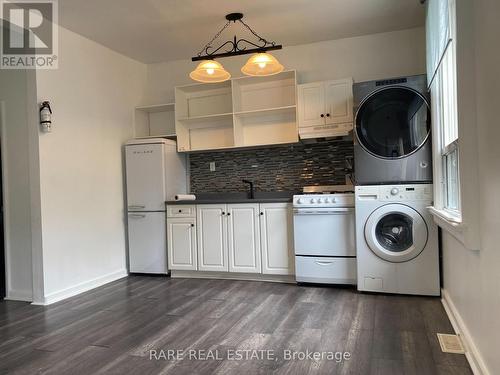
pixel 210 71
pixel 262 64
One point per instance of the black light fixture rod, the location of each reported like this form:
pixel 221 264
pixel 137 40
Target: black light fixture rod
pixel 236 53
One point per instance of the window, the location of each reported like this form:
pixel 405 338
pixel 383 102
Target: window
pixel 445 127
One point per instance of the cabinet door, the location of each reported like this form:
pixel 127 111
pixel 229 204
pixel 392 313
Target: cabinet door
pixel 212 237
pixel 244 238
pixel 147 247
pixel 181 240
pixel 276 227
pixel 311 98
pixel 338 101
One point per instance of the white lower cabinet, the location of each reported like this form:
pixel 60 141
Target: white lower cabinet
pixel 212 237
pixel 181 237
pixel 244 238
pixel 276 229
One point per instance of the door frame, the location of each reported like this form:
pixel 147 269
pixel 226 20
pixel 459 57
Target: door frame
pixel 6 208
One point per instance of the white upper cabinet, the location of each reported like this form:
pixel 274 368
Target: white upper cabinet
pixel 212 237
pixel 311 104
pixel 242 112
pixel 244 238
pixel 338 101
pixel 277 238
pixel 325 108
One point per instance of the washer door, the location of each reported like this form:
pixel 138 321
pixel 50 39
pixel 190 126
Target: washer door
pixel 396 233
pixel 393 122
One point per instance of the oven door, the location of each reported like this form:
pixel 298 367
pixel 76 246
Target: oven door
pixel 324 232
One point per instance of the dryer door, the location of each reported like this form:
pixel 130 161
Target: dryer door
pixel 393 122
pixel 396 233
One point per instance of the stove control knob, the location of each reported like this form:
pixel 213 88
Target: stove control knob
pixel 299 200
pixel 327 200
pixel 312 200
pixel 319 200
pixel 394 191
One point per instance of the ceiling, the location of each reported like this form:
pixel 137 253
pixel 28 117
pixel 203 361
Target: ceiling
pixel 162 30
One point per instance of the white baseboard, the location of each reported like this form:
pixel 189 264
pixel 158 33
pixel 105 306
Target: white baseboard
pixel 81 287
pixel 19 295
pixel 472 353
pixel 289 279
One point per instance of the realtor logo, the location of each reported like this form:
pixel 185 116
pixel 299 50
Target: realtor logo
pixel 29 34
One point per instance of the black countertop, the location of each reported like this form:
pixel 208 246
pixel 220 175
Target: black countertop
pixel 228 198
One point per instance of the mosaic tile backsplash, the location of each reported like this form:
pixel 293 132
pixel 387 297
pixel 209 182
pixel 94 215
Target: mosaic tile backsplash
pixel 277 168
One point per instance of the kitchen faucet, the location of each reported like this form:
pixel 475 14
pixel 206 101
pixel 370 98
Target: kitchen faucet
pixel 252 195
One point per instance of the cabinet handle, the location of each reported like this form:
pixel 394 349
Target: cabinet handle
pixel 223 213
pixel 262 214
pixel 192 225
pixel 322 115
pixel 180 211
pixel 327 115
pixel 229 214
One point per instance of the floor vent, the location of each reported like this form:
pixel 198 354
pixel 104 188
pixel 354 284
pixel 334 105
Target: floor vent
pixel 450 343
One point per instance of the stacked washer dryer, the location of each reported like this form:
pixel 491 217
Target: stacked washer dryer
pixel 396 238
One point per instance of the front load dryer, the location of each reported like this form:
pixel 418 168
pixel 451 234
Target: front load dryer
pixel 396 240
pixel 392 131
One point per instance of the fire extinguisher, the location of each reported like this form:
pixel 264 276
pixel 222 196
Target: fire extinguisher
pixel 46 116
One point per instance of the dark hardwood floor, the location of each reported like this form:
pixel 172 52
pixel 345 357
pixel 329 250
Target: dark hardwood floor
pixel 112 329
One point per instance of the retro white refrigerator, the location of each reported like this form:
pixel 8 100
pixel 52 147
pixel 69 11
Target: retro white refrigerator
pixel 155 173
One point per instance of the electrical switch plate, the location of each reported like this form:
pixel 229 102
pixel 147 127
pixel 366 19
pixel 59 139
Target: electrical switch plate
pixel 212 166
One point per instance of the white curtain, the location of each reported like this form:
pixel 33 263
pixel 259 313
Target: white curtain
pixel 438 35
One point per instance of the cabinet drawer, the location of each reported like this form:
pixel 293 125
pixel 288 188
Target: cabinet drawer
pixel 181 211
pixel 325 270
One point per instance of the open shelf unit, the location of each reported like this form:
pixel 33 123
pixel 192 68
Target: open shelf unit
pixel 241 112
pixel 157 120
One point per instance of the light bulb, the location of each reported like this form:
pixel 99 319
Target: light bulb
pixel 262 65
pixel 210 71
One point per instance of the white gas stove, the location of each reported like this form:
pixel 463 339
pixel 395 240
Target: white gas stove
pixel 325 250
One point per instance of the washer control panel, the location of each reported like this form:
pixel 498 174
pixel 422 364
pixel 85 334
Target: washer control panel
pixel 396 193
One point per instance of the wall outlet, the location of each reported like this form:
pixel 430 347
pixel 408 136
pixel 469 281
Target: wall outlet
pixel 212 166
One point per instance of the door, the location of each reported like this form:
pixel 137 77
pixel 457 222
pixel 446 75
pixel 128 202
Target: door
pixel 181 240
pixel 324 232
pixel 212 237
pixel 243 236
pixel 276 230
pixel 311 98
pixel 145 177
pixel 147 242
pixel 396 233
pixel 338 101
pixel 393 122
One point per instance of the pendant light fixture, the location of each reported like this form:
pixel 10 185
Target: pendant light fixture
pixel 260 64
pixel 210 71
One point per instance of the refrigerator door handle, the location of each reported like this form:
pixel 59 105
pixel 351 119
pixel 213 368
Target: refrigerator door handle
pixel 137 216
pixel 136 207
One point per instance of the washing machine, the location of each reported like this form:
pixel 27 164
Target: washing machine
pixel 392 131
pixel 396 240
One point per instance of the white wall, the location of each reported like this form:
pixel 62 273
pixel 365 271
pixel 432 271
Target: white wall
pixel 472 278
pixel 15 98
pixel 93 94
pixel 363 58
